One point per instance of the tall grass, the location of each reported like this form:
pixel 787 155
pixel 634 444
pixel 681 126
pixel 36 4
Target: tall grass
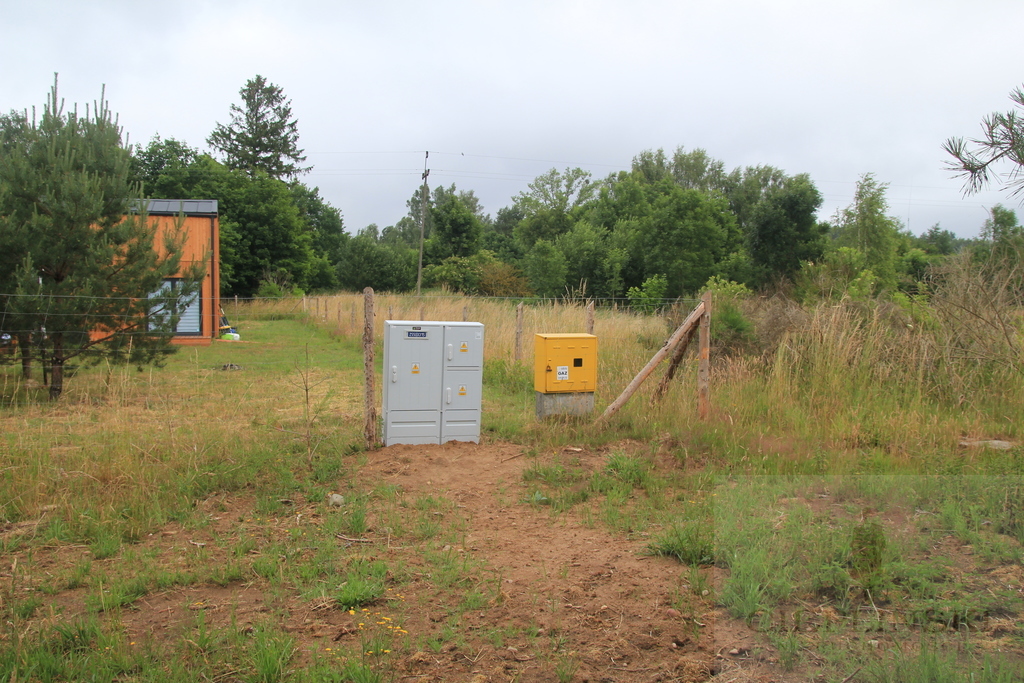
pixel 839 387
pixel 860 379
pixel 343 315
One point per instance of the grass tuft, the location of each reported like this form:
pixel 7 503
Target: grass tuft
pixel 692 543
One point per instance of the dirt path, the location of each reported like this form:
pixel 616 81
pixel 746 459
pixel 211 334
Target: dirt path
pixel 598 599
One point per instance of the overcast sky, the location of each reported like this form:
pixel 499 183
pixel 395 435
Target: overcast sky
pixel 500 92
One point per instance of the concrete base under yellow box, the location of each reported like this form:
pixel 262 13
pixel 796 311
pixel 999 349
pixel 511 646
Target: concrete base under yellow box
pixel 568 403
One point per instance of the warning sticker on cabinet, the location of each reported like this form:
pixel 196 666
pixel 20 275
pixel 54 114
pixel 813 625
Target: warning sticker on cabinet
pixel 415 368
pixel 462 390
pixel 562 373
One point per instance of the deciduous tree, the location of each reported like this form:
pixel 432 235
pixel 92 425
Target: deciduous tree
pixel 864 225
pixel 784 229
pixel 1002 238
pixel 685 237
pixel 385 267
pixel 263 233
pixel 164 168
pixel 545 269
pixel 560 192
pixel 457 230
pixel 326 228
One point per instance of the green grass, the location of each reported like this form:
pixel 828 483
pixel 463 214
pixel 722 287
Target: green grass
pixel 358 590
pixel 689 542
pixel 930 664
pixel 270 654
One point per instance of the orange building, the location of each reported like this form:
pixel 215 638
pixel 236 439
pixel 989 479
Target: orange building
pixel 200 321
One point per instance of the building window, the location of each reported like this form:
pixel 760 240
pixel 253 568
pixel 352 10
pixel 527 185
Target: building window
pixel 190 310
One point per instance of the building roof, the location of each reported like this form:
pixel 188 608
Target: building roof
pixel 189 207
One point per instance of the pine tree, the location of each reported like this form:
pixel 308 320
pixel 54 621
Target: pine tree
pixel 1002 140
pixel 78 268
pixel 262 135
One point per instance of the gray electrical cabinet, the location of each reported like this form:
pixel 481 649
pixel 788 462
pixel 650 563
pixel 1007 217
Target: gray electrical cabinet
pixel 433 380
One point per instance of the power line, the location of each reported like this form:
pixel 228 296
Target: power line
pixel 475 156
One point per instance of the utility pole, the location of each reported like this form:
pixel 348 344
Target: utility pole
pixel 423 221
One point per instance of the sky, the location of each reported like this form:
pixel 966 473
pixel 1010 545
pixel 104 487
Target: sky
pixel 499 92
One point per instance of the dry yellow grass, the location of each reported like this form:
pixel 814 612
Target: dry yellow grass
pixel 625 340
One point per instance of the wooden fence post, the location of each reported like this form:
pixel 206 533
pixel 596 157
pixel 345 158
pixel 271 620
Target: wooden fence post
pixel 677 358
pixel 465 314
pixel 519 332
pixel 370 406
pixel 423 312
pixel 691 320
pixel 704 367
pixel 590 317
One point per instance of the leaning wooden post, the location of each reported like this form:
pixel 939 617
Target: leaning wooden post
pixel 519 332
pixel 590 317
pixel 704 367
pixel 370 425
pixel 673 365
pixel 690 321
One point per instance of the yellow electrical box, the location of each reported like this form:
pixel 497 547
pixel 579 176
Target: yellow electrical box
pixel 565 363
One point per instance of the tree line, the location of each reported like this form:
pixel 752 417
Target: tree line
pixel 661 229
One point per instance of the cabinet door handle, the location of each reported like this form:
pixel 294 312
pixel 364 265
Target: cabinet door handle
pixel 451 352
pixel 394 373
pixel 449 392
